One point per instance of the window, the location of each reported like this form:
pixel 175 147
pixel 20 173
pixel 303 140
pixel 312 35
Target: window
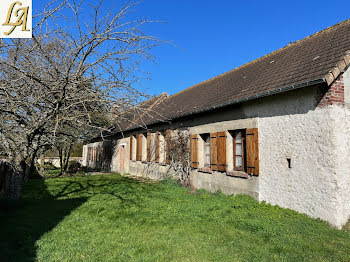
pixel 238 150
pixel 209 152
pixel 206 139
pixel 211 155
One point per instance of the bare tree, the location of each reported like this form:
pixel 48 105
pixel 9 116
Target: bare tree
pixel 83 60
pixel 70 134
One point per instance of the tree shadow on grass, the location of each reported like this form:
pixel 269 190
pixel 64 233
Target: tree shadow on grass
pixel 21 225
pixel 41 209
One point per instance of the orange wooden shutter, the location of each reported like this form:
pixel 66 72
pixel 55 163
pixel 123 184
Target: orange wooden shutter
pixel 157 146
pixel 213 151
pixel 131 147
pixel 168 145
pixel 252 145
pixel 194 151
pixel 148 147
pixel 139 147
pixel 221 151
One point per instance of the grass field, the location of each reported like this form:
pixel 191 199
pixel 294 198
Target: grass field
pixel 115 218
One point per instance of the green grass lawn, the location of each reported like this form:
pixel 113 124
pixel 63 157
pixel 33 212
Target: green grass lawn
pixel 115 218
pixel 52 172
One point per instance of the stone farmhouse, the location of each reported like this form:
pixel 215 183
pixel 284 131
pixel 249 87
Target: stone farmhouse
pixel 277 128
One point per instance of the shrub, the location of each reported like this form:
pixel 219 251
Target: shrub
pixel 49 166
pixel 74 166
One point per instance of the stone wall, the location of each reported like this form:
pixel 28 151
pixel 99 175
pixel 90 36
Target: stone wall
pixel 56 160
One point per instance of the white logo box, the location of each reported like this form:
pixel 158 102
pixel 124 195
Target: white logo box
pixel 15 18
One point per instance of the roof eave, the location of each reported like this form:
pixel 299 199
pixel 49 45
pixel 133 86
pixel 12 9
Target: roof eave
pixel 260 95
pixel 245 99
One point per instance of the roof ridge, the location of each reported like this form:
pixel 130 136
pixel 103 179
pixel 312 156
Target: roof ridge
pixel 267 55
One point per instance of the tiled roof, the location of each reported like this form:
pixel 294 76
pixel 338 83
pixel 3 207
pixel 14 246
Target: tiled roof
pixel 316 58
pixel 135 116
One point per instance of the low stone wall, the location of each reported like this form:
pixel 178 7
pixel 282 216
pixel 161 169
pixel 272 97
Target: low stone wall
pixel 56 160
pixel 226 184
pixel 152 170
pixel 200 180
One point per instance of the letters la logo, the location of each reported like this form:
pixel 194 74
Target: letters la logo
pixel 15 18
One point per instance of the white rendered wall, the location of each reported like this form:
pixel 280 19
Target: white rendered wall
pixel 309 186
pixel 342 142
pixel 346 79
pixel 318 143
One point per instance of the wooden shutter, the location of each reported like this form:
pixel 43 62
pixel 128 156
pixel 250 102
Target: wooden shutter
pixel 148 147
pixel 221 144
pixel 194 151
pixel 167 146
pixel 139 147
pixel 213 151
pixel 252 145
pixel 157 146
pixel 131 147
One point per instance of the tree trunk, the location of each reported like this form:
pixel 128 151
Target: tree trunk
pixel 15 186
pixel 66 161
pixel 30 170
pixel 15 174
pixel 64 155
pixel 60 153
pixel 5 171
pixel 42 165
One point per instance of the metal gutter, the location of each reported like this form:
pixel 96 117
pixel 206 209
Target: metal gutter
pixel 260 95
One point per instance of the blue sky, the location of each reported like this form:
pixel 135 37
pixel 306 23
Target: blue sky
pixel 213 37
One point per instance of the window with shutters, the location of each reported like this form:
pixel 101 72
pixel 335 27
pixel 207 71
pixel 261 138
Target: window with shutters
pixel 206 139
pixel 239 150
pixel 212 152
pixel 245 151
pixel 226 151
